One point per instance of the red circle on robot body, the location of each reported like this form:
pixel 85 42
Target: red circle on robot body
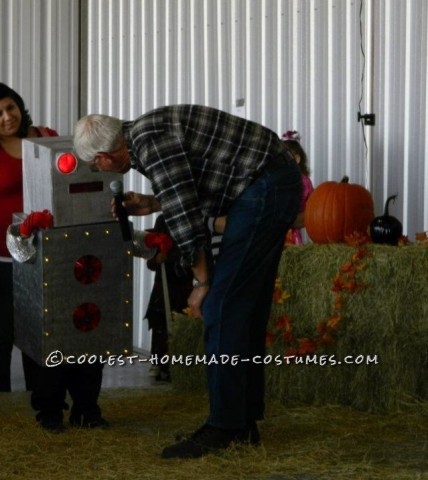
pixel 67 163
pixel 87 269
pixel 86 317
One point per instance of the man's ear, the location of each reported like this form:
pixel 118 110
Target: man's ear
pixel 103 160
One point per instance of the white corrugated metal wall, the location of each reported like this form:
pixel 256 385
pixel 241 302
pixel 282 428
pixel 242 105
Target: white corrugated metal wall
pixel 292 63
pixel 39 51
pixel 400 145
pixel 289 64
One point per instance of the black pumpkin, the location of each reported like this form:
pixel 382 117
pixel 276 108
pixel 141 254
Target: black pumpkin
pixel 386 229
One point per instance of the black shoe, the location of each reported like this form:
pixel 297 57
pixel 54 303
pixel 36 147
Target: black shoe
pixel 208 439
pixel 88 421
pixel 51 421
pixel 253 435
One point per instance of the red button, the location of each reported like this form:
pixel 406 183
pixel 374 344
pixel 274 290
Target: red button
pixel 66 163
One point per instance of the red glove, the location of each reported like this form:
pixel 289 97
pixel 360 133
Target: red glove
pixel 34 221
pixel 161 241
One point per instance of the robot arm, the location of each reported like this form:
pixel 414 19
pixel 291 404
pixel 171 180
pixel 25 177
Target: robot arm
pixel 20 236
pixel 147 244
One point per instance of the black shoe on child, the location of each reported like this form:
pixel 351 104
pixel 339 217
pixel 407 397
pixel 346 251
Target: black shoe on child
pixel 209 439
pixel 51 421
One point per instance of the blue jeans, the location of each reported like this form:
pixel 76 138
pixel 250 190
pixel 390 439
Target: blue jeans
pixel 237 307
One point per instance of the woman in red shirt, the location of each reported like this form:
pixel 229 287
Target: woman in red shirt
pixel 15 124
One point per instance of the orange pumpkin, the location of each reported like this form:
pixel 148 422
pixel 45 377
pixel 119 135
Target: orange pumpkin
pixel 337 209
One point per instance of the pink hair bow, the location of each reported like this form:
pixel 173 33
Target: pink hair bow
pixel 291 135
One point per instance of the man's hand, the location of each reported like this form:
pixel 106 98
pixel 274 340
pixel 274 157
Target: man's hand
pixel 137 204
pixel 200 273
pixel 196 299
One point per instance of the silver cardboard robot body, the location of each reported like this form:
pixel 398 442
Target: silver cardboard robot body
pixel 76 296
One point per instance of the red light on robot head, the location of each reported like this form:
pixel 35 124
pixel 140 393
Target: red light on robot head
pixel 66 163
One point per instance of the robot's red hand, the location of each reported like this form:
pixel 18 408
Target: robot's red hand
pixel 34 221
pixel 161 241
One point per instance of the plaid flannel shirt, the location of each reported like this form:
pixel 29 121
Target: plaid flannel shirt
pixel 198 160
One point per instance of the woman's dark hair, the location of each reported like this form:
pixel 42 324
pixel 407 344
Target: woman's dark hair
pixel 26 121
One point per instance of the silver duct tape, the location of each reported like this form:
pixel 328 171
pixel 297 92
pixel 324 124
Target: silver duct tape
pixel 21 249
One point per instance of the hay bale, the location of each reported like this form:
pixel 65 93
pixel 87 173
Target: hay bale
pixel 187 339
pixel 386 320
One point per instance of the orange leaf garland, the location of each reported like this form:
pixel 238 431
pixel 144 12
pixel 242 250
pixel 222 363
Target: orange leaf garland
pixel 333 322
pixel 346 282
pixel 279 294
pixel 307 346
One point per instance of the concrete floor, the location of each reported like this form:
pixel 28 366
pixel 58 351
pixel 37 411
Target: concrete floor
pixel 136 375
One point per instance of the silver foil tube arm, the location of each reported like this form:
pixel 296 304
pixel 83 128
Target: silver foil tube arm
pixel 21 249
pixel 139 247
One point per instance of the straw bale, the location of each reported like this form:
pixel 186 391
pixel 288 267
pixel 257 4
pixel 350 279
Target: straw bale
pixel 386 320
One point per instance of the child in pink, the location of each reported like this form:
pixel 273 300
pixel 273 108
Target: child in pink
pixel 292 139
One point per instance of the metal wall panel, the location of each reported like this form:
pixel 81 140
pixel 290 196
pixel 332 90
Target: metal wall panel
pixel 289 64
pixel 39 51
pixel 400 100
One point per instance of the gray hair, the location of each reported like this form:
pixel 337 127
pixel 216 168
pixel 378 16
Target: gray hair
pixel 96 133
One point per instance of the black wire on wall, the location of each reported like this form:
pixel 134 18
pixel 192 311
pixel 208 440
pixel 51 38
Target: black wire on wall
pixel 363 73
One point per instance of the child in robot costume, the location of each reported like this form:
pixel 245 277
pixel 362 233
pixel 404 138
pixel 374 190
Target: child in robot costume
pixel 83 382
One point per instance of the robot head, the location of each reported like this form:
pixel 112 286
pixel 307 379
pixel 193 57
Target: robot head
pixel 55 179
